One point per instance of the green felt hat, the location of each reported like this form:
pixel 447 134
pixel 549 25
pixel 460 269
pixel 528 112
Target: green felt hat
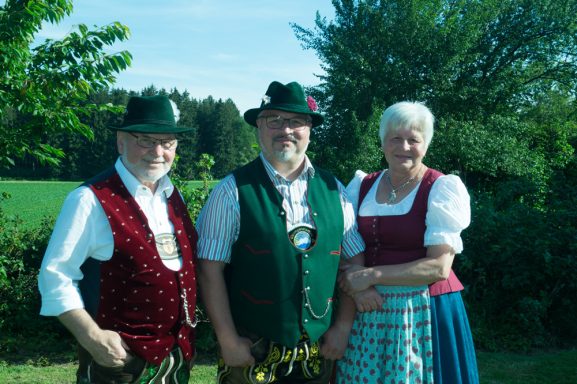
pixel 286 97
pixel 149 114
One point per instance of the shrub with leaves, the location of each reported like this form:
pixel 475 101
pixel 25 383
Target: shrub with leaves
pixel 21 252
pixel 195 199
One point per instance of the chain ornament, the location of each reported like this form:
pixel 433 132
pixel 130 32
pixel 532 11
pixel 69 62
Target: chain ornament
pixel 309 306
pixel 187 320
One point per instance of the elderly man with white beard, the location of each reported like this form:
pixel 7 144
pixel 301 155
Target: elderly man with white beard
pixel 120 268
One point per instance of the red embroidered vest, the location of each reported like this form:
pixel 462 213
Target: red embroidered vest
pixel 134 293
pixel 400 239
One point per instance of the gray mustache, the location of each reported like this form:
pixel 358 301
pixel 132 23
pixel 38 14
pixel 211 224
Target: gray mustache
pixel 286 137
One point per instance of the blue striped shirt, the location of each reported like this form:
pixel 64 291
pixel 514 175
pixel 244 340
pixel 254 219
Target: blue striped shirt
pixel 218 224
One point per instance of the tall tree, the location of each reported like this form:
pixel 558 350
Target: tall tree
pixel 467 59
pixel 235 139
pixel 223 134
pixel 49 84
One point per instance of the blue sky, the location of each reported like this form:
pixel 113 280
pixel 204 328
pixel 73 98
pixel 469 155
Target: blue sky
pixel 224 48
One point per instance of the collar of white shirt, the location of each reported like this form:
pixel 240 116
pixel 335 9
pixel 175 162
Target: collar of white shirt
pixel 308 169
pixel 132 184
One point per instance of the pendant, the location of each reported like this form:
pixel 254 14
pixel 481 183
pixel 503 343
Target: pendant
pixel 392 197
pixel 167 246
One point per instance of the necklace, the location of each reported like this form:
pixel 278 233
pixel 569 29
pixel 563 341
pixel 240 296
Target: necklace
pixel 393 194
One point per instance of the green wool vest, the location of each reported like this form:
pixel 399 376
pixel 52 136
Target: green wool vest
pixel 268 276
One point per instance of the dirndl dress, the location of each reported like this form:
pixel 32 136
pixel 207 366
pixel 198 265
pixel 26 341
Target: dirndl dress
pixel 437 211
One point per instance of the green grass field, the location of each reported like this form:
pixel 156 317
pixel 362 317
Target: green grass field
pixel 34 200
pixel 495 368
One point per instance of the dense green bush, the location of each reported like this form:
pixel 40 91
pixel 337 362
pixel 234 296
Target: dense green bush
pixel 195 198
pixel 21 252
pixel 518 267
pixel 519 262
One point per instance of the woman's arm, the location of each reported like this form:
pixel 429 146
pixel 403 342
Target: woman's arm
pixel 436 266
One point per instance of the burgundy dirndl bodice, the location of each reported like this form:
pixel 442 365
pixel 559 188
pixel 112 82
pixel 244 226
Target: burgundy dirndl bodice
pixel 400 239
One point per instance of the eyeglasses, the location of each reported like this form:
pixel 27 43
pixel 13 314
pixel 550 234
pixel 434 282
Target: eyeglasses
pixel 277 122
pixel 149 142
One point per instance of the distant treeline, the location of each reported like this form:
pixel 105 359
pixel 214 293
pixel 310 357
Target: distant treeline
pixel 218 130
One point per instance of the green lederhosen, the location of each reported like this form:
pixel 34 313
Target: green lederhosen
pixel 278 364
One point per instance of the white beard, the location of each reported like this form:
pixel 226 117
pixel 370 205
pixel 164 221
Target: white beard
pixel 144 175
pixel 285 155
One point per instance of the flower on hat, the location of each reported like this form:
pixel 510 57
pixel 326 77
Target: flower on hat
pixel 312 103
pixel 266 99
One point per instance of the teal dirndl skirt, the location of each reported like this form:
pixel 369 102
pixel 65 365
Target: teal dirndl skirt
pixel 454 359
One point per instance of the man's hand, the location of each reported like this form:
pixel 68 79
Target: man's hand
pixel 334 342
pixel 108 349
pixel 237 353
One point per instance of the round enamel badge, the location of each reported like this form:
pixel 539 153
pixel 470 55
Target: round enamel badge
pixel 302 237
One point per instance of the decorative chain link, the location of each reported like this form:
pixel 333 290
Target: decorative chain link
pixel 187 320
pixel 309 306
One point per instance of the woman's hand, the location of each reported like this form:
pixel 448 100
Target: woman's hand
pixel 354 278
pixel 368 300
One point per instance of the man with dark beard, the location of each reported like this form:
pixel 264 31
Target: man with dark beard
pixel 119 271
pixel 271 237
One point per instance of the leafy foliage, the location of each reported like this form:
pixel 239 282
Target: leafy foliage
pixel 468 60
pixel 218 130
pixel 48 85
pixel 194 197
